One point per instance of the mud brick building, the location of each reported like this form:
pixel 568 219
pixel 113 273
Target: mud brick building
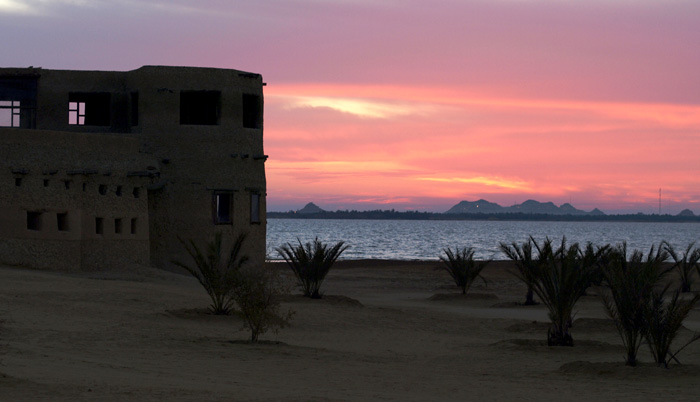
pixel 101 169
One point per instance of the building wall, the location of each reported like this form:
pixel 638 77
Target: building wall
pixel 195 159
pixel 63 182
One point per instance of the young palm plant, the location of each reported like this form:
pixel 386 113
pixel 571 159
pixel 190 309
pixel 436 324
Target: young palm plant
pixel 462 267
pixel 686 265
pixel 561 279
pixel 311 263
pixel 215 271
pixel 522 257
pixel 631 283
pixel 664 319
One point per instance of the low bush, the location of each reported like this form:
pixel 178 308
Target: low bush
pixel 215 271
pixel 311 262
pixel 258 294
pixel 462 267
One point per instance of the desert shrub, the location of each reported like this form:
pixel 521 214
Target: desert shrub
pixel 664 318
pixel 462 267
pixel 258 294
pixel 311 262
pixel 524 261
pixel 686 264
pixel 631 283
pixel 215 271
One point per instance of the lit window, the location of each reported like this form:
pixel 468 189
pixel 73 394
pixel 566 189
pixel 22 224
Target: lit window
pixel 89 109
pixel 9 113
pixel 76 113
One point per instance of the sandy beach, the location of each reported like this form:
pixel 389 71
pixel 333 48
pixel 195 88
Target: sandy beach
pixel 385 331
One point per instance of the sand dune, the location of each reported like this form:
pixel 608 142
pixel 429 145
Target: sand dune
pixel 387 331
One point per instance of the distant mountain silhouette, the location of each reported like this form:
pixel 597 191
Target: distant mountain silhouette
pixel 310 208
pixel 686 212
pixel 527 207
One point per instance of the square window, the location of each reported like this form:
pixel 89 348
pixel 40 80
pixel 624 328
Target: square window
pixel 62 221
pixel 89 109
pixel 117 225
pixel 9 113
pixel 222 207
pixel 200 107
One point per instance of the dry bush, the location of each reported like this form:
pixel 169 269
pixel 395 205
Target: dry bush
pixel 258 294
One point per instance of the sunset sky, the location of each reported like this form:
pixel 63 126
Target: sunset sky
pixel 410 104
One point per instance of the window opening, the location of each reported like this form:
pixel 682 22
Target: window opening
pixel 254 208
pixel 76 113
pixel 200 107
pixel 84 186
pixel 252 111
pixel 62 221
pixel 134 108
pixel 222 207
pixel 67 184
pixel 33 220
pixel 9 113
pixel 46 182
pixel 137 192
pixel 133 225
pixel 99 226
pixel 18 181
pixel 119 191
pixel 117 225
pixel 103 189
pixel 89 109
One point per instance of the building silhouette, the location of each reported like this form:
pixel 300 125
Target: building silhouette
pixel 102 169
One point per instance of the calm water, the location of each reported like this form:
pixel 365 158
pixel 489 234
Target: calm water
pixel 424 240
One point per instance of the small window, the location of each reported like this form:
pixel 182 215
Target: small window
pixel 89 109
pixel 119 191
pixel 33 220
pixel 62 222
pixel 254 208
pixel 99 226
pixel 66 183
pixel 46 182
pixel 200 107
pixel 84 186
pixel 222 207
pixel 103 189
pixel 9 113
pixel 134 109
pixel 133 225
pixel 252 111
pixel 18 181
pixel 136 192
pixel 118 225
